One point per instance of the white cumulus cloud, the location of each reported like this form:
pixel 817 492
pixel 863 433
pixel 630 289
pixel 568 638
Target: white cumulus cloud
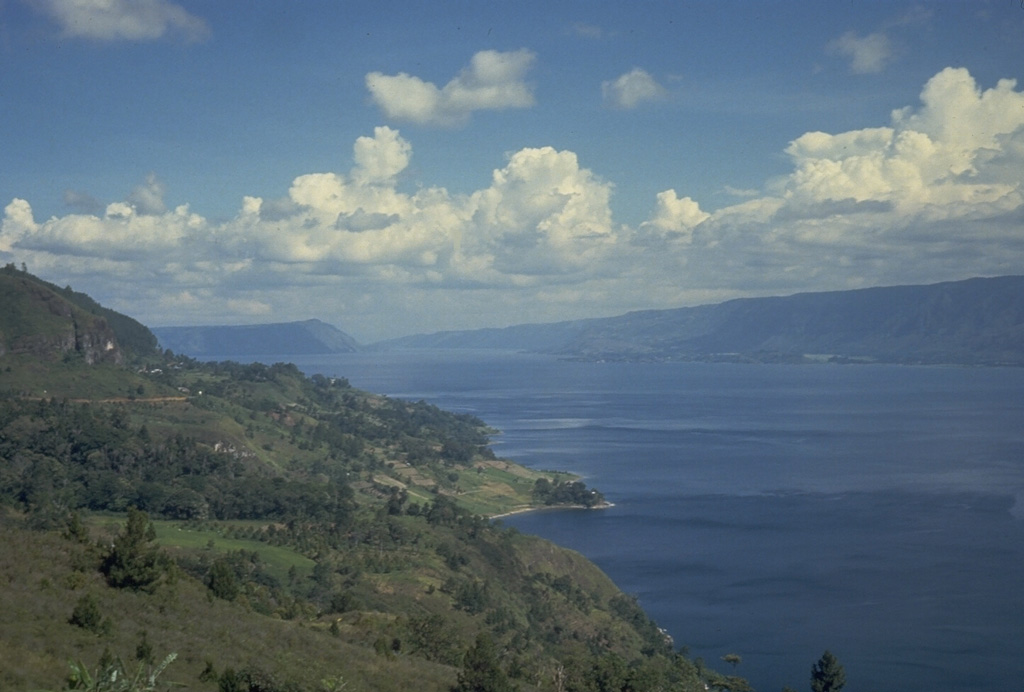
pixel 120 233
pixel 674 217
pixel 934 156
pixel 542 214
pixel 493 81
pixel 127 20
pixel 934 193
pixel 631 89
pixel 381 157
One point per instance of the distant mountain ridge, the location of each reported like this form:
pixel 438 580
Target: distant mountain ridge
pixel 307 337
pixel 975 321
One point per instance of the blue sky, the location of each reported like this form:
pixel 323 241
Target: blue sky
pixel 400 167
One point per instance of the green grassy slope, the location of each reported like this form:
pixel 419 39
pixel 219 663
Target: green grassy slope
pixel 302 530
pixel 50 575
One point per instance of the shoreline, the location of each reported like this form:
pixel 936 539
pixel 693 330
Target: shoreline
pixel 547 508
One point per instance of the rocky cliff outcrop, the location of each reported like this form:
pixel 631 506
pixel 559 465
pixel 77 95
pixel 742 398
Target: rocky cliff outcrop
pixel 39 321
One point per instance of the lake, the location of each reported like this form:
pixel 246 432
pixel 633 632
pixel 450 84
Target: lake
pixel 774 511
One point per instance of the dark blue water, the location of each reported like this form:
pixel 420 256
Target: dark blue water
pixel 776 511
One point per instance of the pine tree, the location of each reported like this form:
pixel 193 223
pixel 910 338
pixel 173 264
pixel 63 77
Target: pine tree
pixel 827 675
pixel 134 562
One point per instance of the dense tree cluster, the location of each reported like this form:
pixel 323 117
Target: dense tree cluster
pixel 81 456
pixel 66 455
pixel 572 493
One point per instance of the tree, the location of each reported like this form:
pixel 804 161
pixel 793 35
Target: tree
pixel 221 580
pixel 133 562
pixel 434 638
pixel 75 530
pixel 610 672
pixel 827 675
pixel 481 670
pixel 87 615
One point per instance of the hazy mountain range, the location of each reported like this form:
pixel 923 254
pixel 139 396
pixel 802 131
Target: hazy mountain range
pixel 976 321
pixel 973 322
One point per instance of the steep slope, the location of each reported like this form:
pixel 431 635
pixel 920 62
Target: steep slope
pixel 38 318
pixel 285 338
pixel 329 526
pixel 288 534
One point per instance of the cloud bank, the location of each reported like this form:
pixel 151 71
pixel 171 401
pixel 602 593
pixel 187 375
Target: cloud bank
pixel 934 193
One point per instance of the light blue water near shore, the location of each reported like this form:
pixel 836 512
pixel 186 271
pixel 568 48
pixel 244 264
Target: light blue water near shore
pixel 775 511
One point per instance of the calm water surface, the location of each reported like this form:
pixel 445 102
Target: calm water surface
pixel 775 511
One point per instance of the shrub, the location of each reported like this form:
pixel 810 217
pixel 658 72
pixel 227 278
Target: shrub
pixel 87 615
pixel 221 580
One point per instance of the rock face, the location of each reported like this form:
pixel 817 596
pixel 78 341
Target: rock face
pixel 98 344
pixel 37 320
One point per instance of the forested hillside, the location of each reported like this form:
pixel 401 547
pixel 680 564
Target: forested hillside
pixel 279 532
